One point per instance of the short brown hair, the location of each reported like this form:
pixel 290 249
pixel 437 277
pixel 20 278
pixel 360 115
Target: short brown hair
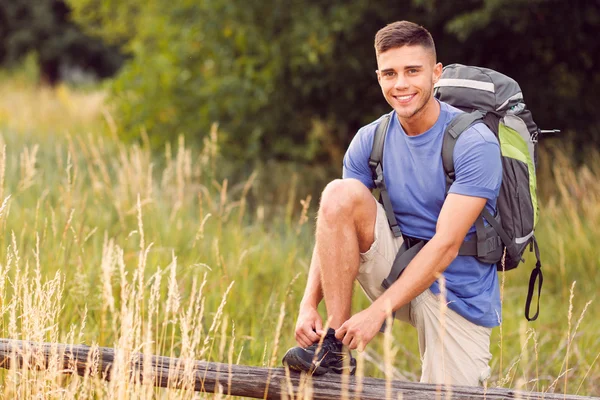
pixel 403 33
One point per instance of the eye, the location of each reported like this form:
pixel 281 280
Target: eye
pixel 389 74
pixel 413 71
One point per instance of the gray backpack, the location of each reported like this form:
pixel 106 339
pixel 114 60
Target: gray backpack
pixel 496 100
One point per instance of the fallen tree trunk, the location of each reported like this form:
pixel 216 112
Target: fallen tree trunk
pixel 237 380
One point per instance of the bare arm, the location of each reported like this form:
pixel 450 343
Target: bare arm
pixel 458 214
pixel 456 218
pixel 309 326
pixel 313 294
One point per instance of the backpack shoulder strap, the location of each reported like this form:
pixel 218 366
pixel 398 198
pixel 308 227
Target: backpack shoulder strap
pixel 483 245
pixel 378 140
pixel 455 128
pixel 377 173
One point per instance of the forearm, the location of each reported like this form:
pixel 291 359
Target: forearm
pixel 418 276
pixel 313 294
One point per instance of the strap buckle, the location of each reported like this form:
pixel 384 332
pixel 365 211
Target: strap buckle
pixel 386 283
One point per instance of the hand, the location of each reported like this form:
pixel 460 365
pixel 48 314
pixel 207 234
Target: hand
pixel 359 330
pixel 309 326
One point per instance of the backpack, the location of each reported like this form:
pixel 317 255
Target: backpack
pixel 496 100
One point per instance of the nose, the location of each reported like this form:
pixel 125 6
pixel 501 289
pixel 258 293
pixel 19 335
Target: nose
pixel 401 82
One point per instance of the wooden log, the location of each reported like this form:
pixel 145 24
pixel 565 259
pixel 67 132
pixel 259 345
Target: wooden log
pixel 237 380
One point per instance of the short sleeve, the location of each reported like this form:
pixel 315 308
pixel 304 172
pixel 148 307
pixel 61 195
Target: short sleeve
pixel 356 159
pixel 477 164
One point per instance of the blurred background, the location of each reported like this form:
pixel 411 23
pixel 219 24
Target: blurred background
pixel 294 80
pixel 188 141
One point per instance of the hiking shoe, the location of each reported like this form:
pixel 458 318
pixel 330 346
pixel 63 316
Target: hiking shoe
pixel 330 358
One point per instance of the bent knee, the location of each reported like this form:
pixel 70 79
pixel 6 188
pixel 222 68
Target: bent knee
pixel 344 198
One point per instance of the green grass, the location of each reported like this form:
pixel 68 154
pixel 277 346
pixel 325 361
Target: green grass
pixel 110 244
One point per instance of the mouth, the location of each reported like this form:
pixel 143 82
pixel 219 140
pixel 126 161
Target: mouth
pixel 404 99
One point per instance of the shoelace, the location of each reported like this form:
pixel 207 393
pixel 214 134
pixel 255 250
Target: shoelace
pixel 330 345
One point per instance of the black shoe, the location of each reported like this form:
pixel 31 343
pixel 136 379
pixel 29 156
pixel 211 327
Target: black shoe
pixel 331 357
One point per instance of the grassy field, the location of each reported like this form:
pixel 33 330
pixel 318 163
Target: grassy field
pixel 110 244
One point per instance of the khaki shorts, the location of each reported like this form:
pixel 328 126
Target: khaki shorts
pixel 453 350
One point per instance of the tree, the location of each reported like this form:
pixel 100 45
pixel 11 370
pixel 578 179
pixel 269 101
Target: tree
pixel 550 48
pixel 296 79
pixel 254 69
pixel 44 27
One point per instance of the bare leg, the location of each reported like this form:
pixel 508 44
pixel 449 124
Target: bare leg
pixel 345 228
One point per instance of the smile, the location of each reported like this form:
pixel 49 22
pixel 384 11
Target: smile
pixel 405 99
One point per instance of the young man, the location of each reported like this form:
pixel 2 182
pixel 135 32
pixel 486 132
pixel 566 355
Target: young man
pixel 354 241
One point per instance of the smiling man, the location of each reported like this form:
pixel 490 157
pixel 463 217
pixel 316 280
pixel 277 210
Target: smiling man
pixel 354 240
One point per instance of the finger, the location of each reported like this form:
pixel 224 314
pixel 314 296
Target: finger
pixel 309 336
pixel 298 339
pixel 301 338
pixel 319 327
pixel 341 331
pixel 303 341
pixel 303 329
pixel 347 338
pixel 354 343
pixel 312 336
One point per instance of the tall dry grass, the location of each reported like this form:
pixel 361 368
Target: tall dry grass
pixel 108 244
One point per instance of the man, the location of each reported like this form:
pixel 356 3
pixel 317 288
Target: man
pixel 354 241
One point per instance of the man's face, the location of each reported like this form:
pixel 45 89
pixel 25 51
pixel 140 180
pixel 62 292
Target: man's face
pixel 406 75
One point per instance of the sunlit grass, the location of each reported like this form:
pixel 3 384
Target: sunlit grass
pixel 108 244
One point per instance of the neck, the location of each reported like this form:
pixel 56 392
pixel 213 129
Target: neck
pixel 423 120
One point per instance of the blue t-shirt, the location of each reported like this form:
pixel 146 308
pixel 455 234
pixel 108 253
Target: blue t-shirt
pixel 415 179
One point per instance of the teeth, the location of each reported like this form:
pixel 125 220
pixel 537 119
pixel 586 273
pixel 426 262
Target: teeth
pixel 402 98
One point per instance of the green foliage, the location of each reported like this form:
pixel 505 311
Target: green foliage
pixel 295 80
pixel 28 70
pixel 43 27
pixel 261 70
pixel 549 47
pixel 74 208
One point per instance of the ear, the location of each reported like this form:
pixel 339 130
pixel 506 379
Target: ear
pixel 378 76
pixel 437 72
